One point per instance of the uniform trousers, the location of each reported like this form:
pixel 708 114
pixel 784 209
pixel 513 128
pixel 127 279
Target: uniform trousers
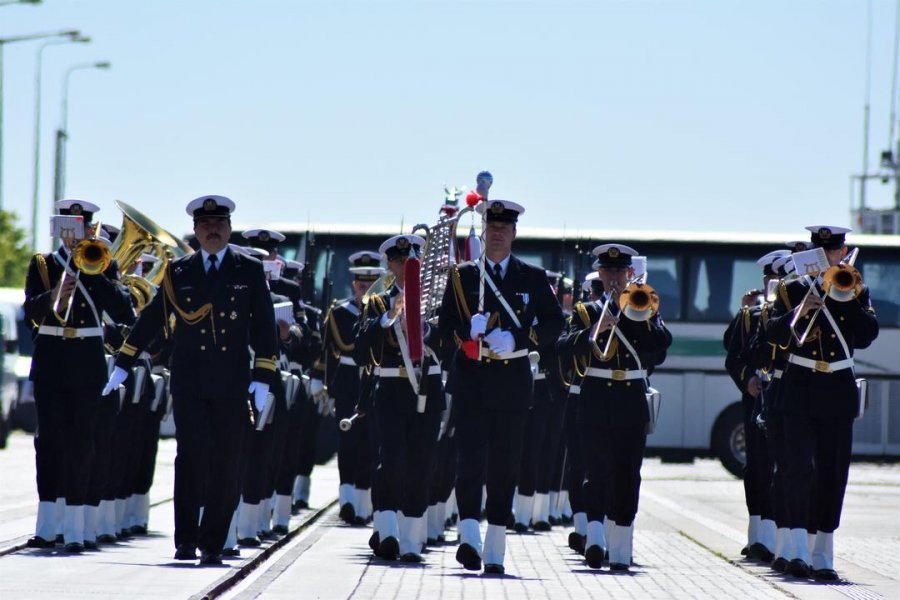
pixel 574 468
pixel 537 425
pixel 492 403
pixel 758 464
pixel 817 453
pixel 346 393
pixel 287 471
pixel 101 461
pixel 612 458
pixel 66 417
pixel 408 439
pixel 309 427
pixel 547 477
pixel 209 434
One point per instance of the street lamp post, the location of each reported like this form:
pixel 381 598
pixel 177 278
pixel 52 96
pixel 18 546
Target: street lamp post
pixel 10 40
pixel 62 134
pixel 37 129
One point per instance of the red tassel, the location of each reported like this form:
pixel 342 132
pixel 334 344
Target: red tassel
pixel 412 299
pixel 473 198
pixel 470 349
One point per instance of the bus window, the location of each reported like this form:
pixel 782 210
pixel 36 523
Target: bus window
pixel 663 276
pixel 884 286
pixel 716 285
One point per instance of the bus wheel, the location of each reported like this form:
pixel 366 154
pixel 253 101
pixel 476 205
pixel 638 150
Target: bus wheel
pixel 728 441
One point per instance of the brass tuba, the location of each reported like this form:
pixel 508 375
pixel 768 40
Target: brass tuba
pixel 140 234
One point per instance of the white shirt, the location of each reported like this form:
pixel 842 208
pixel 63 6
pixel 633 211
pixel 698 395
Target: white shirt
pixel 503 265
pixel 219 256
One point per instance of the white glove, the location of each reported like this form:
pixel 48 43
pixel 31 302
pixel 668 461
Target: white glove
pixel 326 406
pixel 500 341
pixel 317 390
pixel 116 379
pixel 260 392
pixel 479 325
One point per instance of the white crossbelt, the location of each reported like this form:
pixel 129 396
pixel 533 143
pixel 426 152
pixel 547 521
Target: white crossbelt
pixel 777 373
pixel 616 374
pixel 821 366
pixel 574 389
pixel 347 360
pixel 538 376
pixel 70 332
pixel 488 353
pixel 401 371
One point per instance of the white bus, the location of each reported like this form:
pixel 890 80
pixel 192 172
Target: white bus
pixel 700 279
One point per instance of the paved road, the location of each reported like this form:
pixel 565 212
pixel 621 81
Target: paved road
pixel 688 537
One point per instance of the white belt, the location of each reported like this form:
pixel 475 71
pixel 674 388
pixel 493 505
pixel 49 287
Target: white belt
pixel 616 374
pixel 574 389
pixel 70 332
pixel 347 360
pixel 401 371
pixel 821 366
pixel 144 356
pixel 777 373
pixel 294 366
pixel 488 353
pixel 538 376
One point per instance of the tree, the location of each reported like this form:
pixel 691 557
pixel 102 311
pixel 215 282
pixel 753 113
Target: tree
pixel 14 252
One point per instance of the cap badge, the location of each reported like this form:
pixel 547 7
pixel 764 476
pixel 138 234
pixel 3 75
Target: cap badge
pixel 403 244
pixel 824 233
pixel 613 252
pixel 497 207
pixel 76 209
pixel 263 236
pixel 365 259
pixel 800 247
pixel 210 204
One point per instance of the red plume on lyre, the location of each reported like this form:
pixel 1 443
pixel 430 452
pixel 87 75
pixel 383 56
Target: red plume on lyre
pixel 473 198
pixel 412 303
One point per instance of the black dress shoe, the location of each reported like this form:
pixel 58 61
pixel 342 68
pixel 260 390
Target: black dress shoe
pixel 468 557
pixel 210 558
pixel 620 567
pixel 280 530
pixel 138 530
pixel 494 569
pixel 231 552
pixel 59 539
pixel 267 535
pixel 389 548
pixel 553 521
pixel 576 542
pixel 520 527
pixel 374 541
pixel 39 542
pixel 124 534
pixel 347 513
pixel 359 521
pixel 798 568
pixel 759 552
pixel 511 522
pixel 106 538
pixel 411 557
pixel 186 552
pixel 90 545
pixel 779 564
pixel 74 548
pixel 250 542
pixel 541 526
pixel 593 556
pixel 566 519
pixel 745 551
pixel 300 505
pixel 826 575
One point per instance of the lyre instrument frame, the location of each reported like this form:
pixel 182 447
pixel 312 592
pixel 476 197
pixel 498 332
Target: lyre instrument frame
pixel 847 262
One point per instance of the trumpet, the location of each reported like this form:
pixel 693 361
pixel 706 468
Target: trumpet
pixel 842 283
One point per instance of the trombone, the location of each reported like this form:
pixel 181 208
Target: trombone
pixel 91 256
pixel 842 282
pixel 638 301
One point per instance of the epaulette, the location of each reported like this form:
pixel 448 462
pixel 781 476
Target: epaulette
pixel 42 269
pixel 783 293
pixel 746 319
pixel 461 305
pixel 581 311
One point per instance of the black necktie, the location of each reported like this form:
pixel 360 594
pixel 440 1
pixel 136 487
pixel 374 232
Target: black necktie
pixel 498 276
pixel 212 265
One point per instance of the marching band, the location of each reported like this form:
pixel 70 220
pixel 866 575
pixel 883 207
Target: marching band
pixel 463 391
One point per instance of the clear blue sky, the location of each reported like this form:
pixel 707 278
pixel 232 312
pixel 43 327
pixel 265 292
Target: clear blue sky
pixel 692 115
